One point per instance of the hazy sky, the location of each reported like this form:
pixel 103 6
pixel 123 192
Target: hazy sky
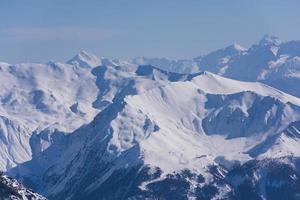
pixel 42 30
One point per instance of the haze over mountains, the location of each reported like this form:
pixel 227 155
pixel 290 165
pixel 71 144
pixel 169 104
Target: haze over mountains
pixel 204 128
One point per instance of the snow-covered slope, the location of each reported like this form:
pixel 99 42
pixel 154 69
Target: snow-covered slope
pixel 14 143
pixel 36 96
pixel 61 97
pixel 163 130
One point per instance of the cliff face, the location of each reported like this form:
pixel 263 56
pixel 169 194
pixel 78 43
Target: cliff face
pixel 12 189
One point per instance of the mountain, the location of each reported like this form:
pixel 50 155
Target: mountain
pixel 10 189
pixel 97 128
pixel 85 59
pixel 179 66
pixel 271 61
pixel 217 61
pixel 88 60
pixel 164 135
pixel 38 96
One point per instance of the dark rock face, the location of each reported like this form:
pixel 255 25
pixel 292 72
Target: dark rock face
pixel 11 189
pixel 270 179
pixel 255 180
pixel 126 184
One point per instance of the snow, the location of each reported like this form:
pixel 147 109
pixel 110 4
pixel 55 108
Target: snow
pixel 85 59
pixel 239 47
pixel 36 96
pixel 281 60
pixel 166 115
pixel 91 111
pixel 214 84
pixel 271 61
pixel 268 40
pixel 175 108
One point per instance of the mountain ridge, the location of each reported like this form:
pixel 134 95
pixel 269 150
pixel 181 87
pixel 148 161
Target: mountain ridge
pixel 118 130
pixel 153 130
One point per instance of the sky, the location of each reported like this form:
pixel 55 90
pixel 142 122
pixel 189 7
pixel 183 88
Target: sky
pixel 43 30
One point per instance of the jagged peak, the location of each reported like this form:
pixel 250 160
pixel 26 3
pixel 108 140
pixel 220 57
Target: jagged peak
pixel 85 59
pixel 270 40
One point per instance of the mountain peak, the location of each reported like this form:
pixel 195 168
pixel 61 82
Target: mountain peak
pixel 236 47
pixel 270 40
pixel 85 59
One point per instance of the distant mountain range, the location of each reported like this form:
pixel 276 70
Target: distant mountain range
pixel 270 61
pixel 95 128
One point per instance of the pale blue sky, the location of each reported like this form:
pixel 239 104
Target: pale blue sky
pixel 42 30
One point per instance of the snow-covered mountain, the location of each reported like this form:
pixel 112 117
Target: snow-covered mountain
pixel 38 96
pixel 217 61
pixel 270 61
pixel 85 59
pixel 96 128
pixel 164 135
